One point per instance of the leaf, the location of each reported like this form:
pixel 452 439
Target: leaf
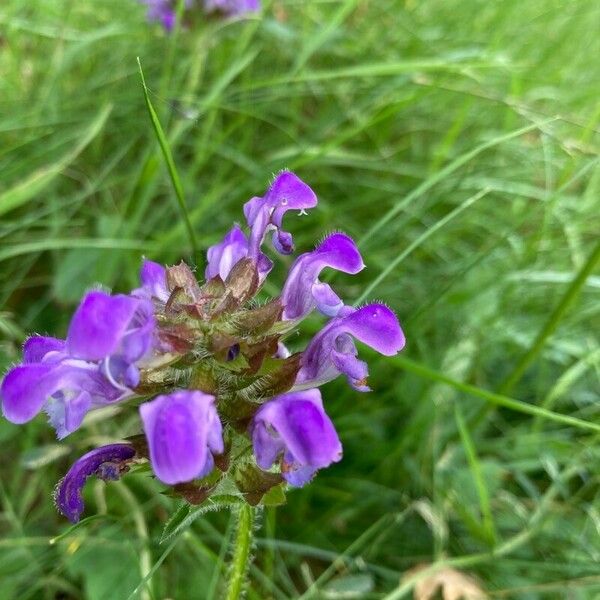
pixel 186 514
pixel 275 496
pixel 254 483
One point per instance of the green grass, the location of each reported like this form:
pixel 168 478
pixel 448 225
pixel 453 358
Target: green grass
pixel 458 141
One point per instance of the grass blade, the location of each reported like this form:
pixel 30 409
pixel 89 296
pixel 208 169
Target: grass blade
pixel 174 175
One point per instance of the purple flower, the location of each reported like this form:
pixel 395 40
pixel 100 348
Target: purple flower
pixel 287 192
pixel 295 427
pixel 222 257
pixel 153 278
pixel 332 350
pixel 95 366
pixel 162 12
pixel 232 7
pixel 303 290
pixel 183 430
pixel 107 462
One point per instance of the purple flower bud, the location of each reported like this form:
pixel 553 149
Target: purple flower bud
pixel 153 278
pixel 303 290
pixel 332 350
pixel 222 257
pixel 232 7
pixel 294 426
pixel 183 430
pixel 107 462
pixel 287 192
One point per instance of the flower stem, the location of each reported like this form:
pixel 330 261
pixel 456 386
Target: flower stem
pixel 241 552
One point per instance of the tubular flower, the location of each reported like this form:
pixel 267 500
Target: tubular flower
pixel 153 278
pixel 332 351
pixel 183 430
pixel 287 192
pixel 106 462
pixel 231 409
pixel 96 365
pixel 295 428
pixel 303 290
pixel 222 257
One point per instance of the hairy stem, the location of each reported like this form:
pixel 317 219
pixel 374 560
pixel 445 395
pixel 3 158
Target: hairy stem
pixel 241 552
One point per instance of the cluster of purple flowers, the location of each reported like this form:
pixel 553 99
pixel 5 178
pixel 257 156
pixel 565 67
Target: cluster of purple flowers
pixel 165 11
pixel 214 360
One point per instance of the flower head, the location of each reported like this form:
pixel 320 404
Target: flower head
pixel 183 430
pixel 106 462
pixel 212 357
pixel 303 291
pixel 332 350
pixel 295 428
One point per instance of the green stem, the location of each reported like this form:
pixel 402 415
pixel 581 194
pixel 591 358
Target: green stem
pixel 241 552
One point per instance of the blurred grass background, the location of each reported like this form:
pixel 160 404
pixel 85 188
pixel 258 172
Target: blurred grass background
pixel 458 141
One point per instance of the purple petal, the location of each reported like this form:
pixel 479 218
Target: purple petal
pixel 222 257
pixel 326 300
pixel 107 462
pixel 25 390
pixel 232 7
pixel 296 426
pixel 67 390
pixel 332 350
pixel 287 192
pixel 37 347
pixel 67 416
pixel 153 278
pixel 303 291
pixel 104 325
pixel 182 429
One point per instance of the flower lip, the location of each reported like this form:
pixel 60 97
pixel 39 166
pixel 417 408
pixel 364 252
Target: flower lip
pixel 102 322
pixel 106 462
pixel 303 291
pixel 332 350
pixel 295 428
pixel 182 429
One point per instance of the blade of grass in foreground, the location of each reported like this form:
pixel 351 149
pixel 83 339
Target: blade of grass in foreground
pixel 441 175
pixel 29 188
pixel 166 151
pixel 468 202
pixel 492 398
pixel 553 321
pixel 476 471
